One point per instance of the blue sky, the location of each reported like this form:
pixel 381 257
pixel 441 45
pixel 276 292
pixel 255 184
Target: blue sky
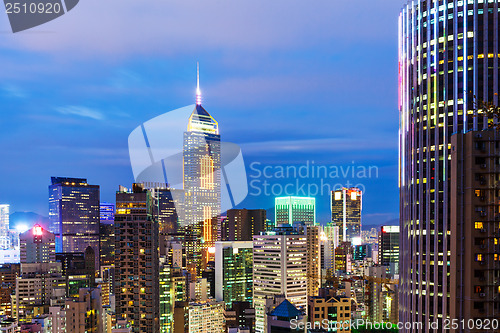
pixel 289 81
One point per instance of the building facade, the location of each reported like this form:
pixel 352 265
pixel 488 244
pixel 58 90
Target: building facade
pixel 279 268
pixel 290 210
pixel 388 248
pixel 346 209
pixel 136 259
pixel 475 220
pixel 74 213
pixel 243 224
pixel 233 272
pixel 448 62
pixel 202 182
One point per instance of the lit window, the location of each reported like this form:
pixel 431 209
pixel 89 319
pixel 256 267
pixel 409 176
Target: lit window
pixel 479 225
pixel 479 257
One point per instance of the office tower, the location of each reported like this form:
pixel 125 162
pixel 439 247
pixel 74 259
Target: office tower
pixel 243 224
pixel 84 313
pixel 448 58
pixel 202 186
pixel 332 309
pixel 361 252
pixel 346 213
pixel 39 285
pixel 37 246
pixel 270 225
pixel 78 269
pixel 206 317
pixel 209 275
pixel 286 318
pixel 313 259
pixel 240 316
pixel 279 268
pixel 169 209
pixel 4 227
pixel 107 234
pixel 233 272
pixel 475 226
pixel 290 210
pixel 136 259
pixel 8 276
pixel 342 257
pixel 388 248
pixel 74 213
pixel 167 297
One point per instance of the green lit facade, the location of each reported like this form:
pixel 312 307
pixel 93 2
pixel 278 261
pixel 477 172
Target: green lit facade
pixel 290 210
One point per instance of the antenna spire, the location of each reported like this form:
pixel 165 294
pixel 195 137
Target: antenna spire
pixel 198 91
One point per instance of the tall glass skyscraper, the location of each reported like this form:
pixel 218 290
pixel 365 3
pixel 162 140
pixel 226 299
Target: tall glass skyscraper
pixel 346 213
pixel 448 53
pixel 202 181
pixel 74 213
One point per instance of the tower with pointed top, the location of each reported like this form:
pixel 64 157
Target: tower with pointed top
pixel 202 179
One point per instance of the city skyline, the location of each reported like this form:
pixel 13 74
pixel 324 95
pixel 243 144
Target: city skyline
pixel 140 87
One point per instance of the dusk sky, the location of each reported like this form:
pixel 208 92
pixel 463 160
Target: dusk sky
pixel 289 81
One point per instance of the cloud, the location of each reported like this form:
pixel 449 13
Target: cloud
pixel 321 145
pixel 80 111
pixel 130 27
pixel 13 91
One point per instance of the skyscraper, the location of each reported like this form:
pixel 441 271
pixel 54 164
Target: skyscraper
pixel 242 224
pixel 107 234
pixel 290 210
pixel 279 268
pixel 474 223
pixel 388 248
pixel 202 181
pixel 346 213
pixel 234 272
pixel 448 53
pixel 313 259
pixel 136 259
pixel 37 246
pixel 4 227
pixel 74 213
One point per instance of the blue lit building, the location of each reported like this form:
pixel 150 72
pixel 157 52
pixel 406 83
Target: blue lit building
pixel 74 214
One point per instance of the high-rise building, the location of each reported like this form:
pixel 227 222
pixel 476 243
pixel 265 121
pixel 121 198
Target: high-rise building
pixel 233 272
pixel 4 227
pixel 202 186
pixel 475 226
pixel 84 312
pixel 243 224
pixel 107 234
pixel 136 259
pixel 206 317
pixel 388 248
pixel 290 210
pixel 279 268
pixel 448 62
pixel 313 259
pixel 167 297
pixel 74 213
pixel 346 213
pixel 37 246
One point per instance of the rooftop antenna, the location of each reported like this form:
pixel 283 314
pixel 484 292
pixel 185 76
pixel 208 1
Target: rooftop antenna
pixel 198 91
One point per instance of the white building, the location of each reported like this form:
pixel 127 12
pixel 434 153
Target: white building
pixel 206 317
pixel 279 268
pixel 4 227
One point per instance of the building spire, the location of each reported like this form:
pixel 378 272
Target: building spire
pixel 198 91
